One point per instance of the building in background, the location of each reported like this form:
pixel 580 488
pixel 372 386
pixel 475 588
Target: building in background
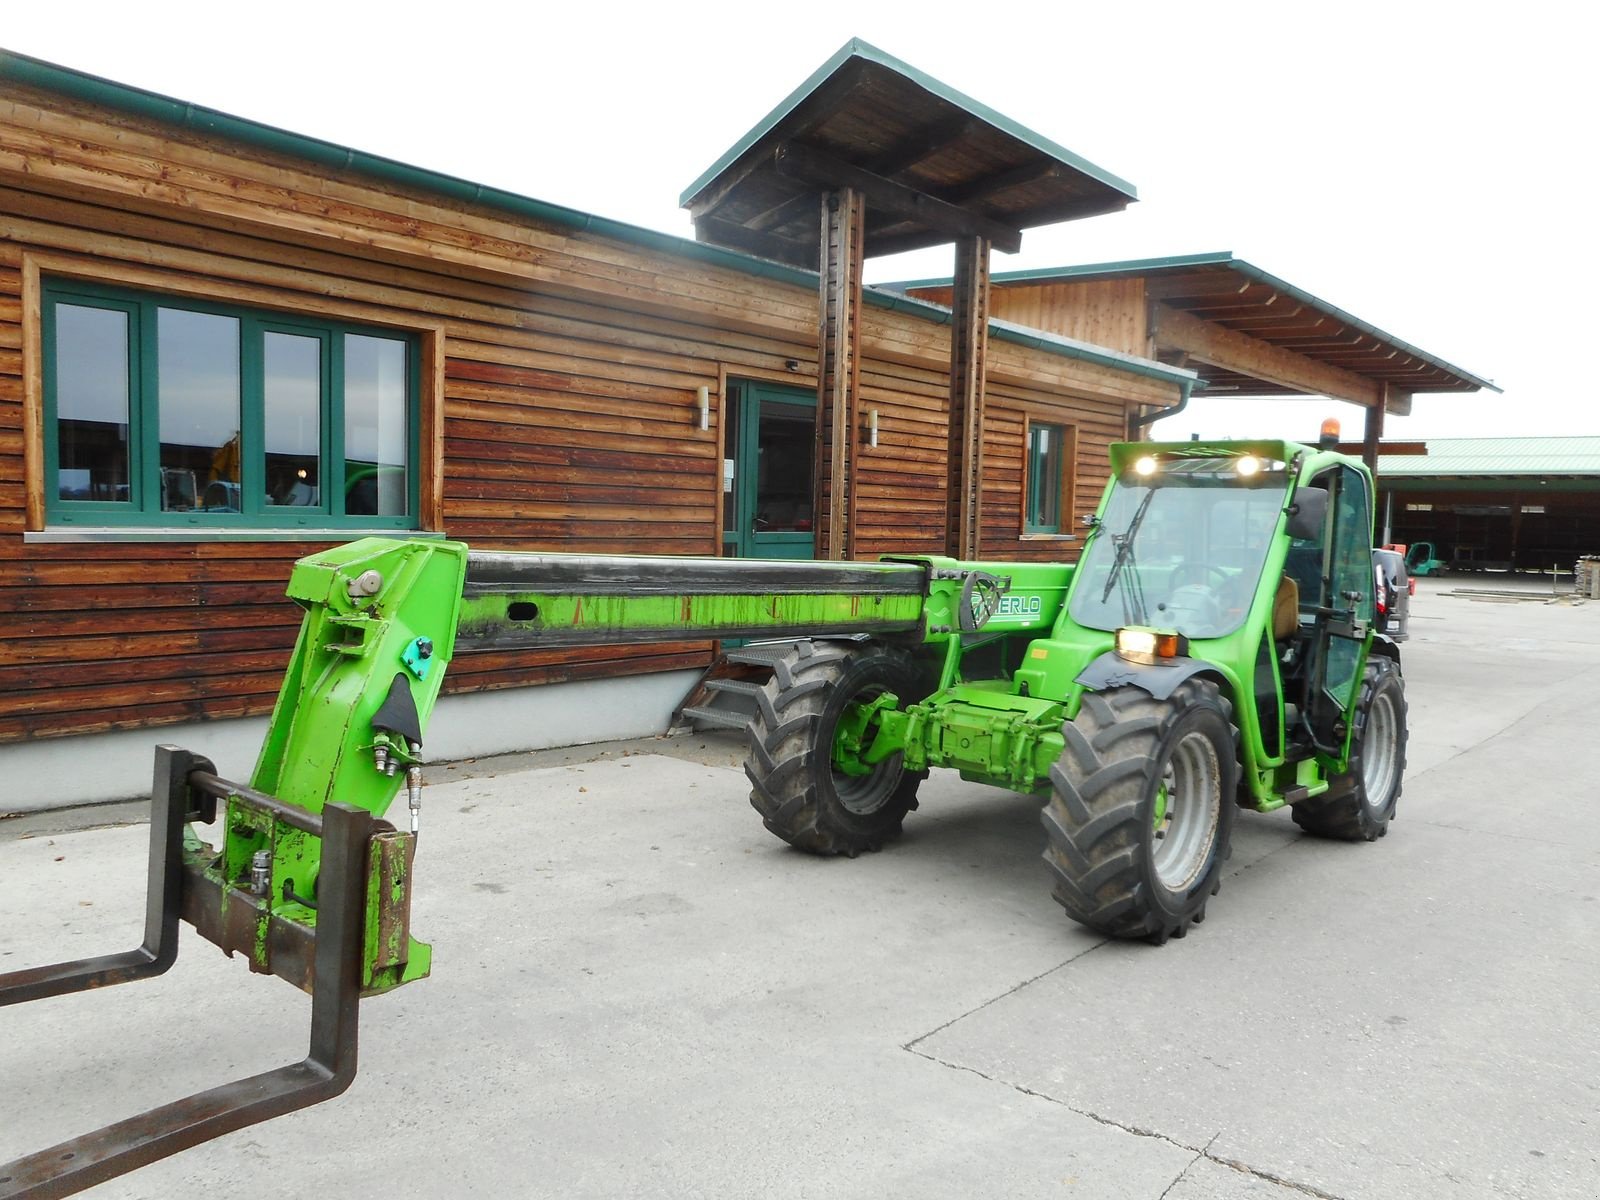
pixel 1495 504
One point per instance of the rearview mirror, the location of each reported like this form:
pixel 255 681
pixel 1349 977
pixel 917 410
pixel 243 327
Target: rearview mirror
pixel 1307 513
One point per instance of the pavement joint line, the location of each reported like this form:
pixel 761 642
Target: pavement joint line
pixel 1204 1152
pixel 912 1044
pixel 1199 1152
pixel 1269 1177
pixel 1011 991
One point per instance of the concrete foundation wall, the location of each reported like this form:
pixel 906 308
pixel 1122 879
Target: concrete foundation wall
pixel 104 767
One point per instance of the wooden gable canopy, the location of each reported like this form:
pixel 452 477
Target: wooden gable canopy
pixel 1249 333
pixel 933 165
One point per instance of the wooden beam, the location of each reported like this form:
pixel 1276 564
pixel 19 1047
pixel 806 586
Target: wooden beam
pixel 823 170
pixel 924 144
pixel 764 245
pixel 719 189
pixel 969 342
pixel 1176 330
pixel 33 423
pixel 899 243
pixel 779 215
pixel 843 220
pixel 992 185
pixel 1372 431
pixel 1418 449
pixel 1190 285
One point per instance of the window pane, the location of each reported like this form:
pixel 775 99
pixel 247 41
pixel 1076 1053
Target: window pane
pixel 1044 478
pixel 292 394
pixel 785 441
pixel 91 373
pixel 198 356
pixel 374 426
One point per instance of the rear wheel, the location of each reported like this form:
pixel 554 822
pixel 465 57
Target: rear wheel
pixel 1141 810
pixel 1360 803
pixel 800 792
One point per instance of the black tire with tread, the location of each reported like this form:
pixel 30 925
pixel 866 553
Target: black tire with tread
pixel 790 762
pixel 1345 811
pixel 1100 816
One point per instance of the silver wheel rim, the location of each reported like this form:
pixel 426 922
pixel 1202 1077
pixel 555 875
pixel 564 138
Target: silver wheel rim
pixel 864 795
pixel 1380 752
pixel 1181 843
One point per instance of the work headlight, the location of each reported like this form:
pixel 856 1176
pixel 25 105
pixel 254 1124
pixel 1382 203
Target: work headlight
pixel 1150 646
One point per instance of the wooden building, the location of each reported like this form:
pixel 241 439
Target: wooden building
pixel 1246 332
pixel 224 346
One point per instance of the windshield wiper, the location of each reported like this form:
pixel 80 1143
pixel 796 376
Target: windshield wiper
pixel 1133 589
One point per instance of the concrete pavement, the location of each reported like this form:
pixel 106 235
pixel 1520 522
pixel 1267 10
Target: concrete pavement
pixel 638 992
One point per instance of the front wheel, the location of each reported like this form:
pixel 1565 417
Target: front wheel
pixel 1360 803
pixel 1141 810
pixel 801 793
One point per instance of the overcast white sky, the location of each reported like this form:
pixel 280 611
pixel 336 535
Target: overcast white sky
pixel 1421 165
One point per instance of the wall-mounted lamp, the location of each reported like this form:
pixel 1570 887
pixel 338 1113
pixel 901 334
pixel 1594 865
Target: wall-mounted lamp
pixel 870 430
pixel 703 402
pixel 791 364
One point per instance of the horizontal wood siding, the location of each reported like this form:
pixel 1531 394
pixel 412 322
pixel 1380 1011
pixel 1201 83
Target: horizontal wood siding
pixel 1102 312
pixel 1005 469
pixel 568 381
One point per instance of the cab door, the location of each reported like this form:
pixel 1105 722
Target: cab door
pixel 1344 609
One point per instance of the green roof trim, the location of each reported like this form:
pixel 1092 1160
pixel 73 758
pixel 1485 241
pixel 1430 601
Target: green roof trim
pixel 1506 456
pixel 93 89
pixel 856 48
pixel 1218 258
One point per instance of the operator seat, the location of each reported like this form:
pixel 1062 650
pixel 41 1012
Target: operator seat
pixel 1286 610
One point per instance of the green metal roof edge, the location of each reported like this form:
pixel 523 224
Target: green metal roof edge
pixel 856 48
pixel 1220 258
pixel 1390 467
pixel 139 102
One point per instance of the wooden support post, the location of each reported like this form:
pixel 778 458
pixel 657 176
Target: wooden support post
pixel 838 368
pixel 1373 431
pixel 969 341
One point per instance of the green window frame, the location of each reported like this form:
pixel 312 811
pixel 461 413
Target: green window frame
pixel 1051 449
pixel 251 485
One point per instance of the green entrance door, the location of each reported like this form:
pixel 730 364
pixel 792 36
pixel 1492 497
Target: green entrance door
pixel 769 450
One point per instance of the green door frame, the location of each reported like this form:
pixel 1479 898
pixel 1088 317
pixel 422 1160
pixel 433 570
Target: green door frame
pixel 744 540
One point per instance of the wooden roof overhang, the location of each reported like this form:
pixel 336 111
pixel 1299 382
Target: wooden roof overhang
pixel 1249 333
pixel 933 165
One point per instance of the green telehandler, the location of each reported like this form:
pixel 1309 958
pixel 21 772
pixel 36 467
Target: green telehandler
pixel 1213 649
